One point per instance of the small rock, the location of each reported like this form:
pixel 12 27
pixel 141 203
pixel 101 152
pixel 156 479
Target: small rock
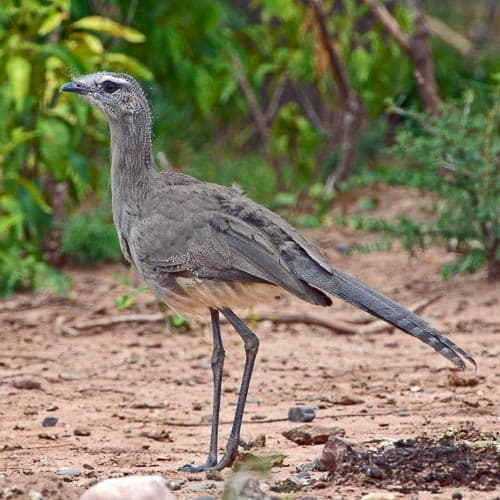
pixel 27 384
pixel 157 435
pixel 81 431
pixel 349 400
pixel 143 405
pixel 257 442
pixel 11 492
pixel 52 407
pixel 49 421
pixel 333 453
pixel 312 434
pixel 35 495
pixel 132 487
pixel 200 486
pixel 214 475
pixel 46 435
pixel 375 472
pixel 378 496
pixel 301 413
pixel 474 403
pixel 343 247
pixel 68 472
pixel 458 380
pixel 253 400
pixel 457 495
pixel 404 413
pixel 258 418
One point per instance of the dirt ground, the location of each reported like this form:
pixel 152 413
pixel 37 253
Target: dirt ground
pixel 135 397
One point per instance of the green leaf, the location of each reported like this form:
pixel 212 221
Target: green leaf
pixel 127 64
pixel 8 221
pixel 63 53
pixel 51 22
pixel 18 72
pixel 109 27
pixel 55 144
pixel 35 193
pixel 285 199
pixel 123 302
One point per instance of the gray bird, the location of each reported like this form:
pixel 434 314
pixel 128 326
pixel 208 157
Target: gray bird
pixel 197 244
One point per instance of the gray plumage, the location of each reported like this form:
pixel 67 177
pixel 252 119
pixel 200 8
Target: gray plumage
pixel 198 244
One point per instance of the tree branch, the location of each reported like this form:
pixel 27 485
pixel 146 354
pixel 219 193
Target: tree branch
pixel 416 46
pixel 350 105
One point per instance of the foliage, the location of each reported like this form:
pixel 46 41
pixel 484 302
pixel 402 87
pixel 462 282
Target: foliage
pixel 455 155
pixel 91 237
pixel 52 150
pixel 43 171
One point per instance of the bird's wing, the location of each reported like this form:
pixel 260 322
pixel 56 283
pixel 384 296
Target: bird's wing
pixel 195 236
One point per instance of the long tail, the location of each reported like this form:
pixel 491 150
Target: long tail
pixel 362 296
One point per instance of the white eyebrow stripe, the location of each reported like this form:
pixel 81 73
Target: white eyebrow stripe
pixel 115 79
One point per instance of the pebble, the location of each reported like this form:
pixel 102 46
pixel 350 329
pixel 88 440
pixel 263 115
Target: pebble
pixel 343 247
pixel 378 496
pixel 68 472
pixel 35 495
pixel 27 384
pixel 81 431
pixel 199 486
pixel 347 400
pixel 333 453
pixel 253 400
pixel 312 434
pixel 301 413
pixel 404 413
pixel 136 487
pixel 49 421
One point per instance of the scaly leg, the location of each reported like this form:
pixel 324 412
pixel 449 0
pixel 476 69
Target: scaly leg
pixel 217 362
pixel 251 343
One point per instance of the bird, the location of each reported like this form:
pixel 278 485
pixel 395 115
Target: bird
pixel 201 246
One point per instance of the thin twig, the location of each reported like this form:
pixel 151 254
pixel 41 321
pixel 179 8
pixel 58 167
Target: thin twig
pixel 255 108
pixel 74 330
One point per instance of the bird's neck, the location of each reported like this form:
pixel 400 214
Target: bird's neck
pixel 132 164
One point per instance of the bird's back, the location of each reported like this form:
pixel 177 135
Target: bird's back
pixel 198 244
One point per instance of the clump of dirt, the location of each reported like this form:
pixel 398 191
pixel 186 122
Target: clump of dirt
pixel 424 463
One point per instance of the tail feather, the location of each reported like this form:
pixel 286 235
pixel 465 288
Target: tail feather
pixel 365 298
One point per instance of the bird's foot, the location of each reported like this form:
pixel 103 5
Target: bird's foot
pixel 212 464
pixel 198 468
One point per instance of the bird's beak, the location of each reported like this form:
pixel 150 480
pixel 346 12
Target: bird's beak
pixel 75 87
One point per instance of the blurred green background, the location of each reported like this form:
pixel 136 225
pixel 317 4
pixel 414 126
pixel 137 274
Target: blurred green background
pixel 244 91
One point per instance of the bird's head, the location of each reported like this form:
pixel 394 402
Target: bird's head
pixel 117 95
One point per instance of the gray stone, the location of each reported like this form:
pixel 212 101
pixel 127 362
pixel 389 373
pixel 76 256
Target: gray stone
pixel 301 413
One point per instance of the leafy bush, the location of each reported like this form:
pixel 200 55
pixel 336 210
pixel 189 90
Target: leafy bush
pixel 91 238
pixel 455 155
pixel 43 171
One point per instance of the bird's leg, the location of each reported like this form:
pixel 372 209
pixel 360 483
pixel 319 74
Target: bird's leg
pixel 251 343
pixel 251 347
pixel 217 362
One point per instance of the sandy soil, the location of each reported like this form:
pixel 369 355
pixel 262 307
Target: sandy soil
pixel 136 397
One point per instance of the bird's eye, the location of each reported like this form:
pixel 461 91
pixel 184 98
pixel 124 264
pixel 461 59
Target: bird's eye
pixel 109 87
